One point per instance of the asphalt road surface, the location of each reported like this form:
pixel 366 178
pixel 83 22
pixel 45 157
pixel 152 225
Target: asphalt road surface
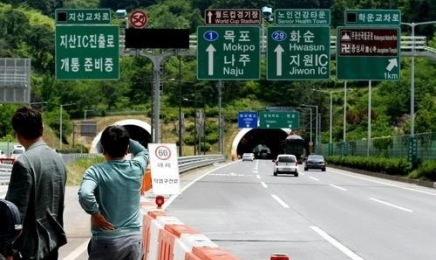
pixel 328 215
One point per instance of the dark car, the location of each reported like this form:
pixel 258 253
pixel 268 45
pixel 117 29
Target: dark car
pixel 315 161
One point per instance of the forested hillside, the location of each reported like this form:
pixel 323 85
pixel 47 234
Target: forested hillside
pixel 27 31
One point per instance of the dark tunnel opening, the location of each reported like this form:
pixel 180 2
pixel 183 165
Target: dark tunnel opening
pixel 264 143
pixel 139 134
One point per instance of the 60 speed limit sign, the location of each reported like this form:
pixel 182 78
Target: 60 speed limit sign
pixel 163 152
pixel 164 168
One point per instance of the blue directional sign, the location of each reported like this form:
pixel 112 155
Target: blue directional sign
pixel 247 119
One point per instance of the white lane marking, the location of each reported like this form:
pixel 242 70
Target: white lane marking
pixel 173 197
pixel 258 176
pixel 384 183
pixel 264 184
pixel 338 187
pixel 315 179
pixel 336 244
pixel 391 205
pixel 281 202
pixel 77 252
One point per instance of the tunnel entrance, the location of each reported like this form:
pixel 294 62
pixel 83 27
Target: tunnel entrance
pixel 264 143
pixel 139 134
pixel 138 130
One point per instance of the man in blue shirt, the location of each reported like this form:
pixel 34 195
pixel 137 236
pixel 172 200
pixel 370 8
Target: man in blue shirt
pixel 110 193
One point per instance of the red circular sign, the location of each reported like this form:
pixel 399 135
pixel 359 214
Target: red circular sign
pixel 138 19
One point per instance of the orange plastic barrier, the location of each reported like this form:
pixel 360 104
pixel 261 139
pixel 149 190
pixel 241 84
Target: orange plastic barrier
pixel 167 238
pixel 212 253
pixel 146 182
pixel 191 256
pixel 279 257
pixel 7 160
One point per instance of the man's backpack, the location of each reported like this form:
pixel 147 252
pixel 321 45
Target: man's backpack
pixel 10 221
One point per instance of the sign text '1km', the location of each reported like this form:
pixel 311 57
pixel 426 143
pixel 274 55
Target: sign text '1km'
pixel 228 53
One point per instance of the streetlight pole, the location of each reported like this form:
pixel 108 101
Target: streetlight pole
pixel 195 121
pixel 330 112
pixel 316 123
pixel 412 76
pixel 60 124
pixel 180 107
pixel 84 113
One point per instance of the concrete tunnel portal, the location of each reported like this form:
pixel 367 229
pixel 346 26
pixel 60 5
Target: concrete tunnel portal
pixel 264 143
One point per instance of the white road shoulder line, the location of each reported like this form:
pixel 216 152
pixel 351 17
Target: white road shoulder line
pixel 336 244
pixel 391 205
pixel 281 202
pixel 338 187
pixel 77 252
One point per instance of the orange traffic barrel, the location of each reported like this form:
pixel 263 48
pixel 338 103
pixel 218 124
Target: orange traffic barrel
pixel 146 182
pixel 279 257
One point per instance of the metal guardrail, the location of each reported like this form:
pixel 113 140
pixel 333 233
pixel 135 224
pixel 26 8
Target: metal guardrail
pixel 186 163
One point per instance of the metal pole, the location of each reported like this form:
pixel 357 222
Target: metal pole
pixel 195 120
pixel 311 126
pixel 204 129
pixel 412 85
pixel 60 129
pixel 220 120
pixel 369 118
pixel 316 128
pixel 344 128
pixel 180 107
pixel 156 104
pixel 331 118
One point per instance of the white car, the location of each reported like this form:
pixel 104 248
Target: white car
pixel 248 157
pixel 18 150
pixel 286 163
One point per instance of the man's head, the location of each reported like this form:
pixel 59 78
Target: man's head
pixel 27 124
pixel 115 141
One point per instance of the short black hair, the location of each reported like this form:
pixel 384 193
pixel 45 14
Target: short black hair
pixel 27 122
pixel 115 140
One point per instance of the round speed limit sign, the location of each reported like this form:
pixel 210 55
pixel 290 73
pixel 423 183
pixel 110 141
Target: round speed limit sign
pixel 163 152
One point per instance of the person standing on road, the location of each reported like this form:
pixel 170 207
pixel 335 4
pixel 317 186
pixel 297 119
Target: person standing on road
pixel 37 188
pixel 110 193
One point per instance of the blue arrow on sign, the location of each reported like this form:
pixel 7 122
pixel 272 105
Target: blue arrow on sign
pixel 247 119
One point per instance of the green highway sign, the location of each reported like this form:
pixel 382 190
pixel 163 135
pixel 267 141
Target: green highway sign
pixel 268 119
pixel 302 17
pixel 298 53
pixel 368 53
pixel 87 52
pixel 82 16
pixel 373 17
pixel 412 148
pixel 228 53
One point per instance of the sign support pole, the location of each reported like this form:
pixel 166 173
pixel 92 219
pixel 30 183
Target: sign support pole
pixel 220 119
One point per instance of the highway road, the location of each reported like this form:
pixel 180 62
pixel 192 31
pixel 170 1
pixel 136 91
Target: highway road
pixel 319 215
pixel 328 215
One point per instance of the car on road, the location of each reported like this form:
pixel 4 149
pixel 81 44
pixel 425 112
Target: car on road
pixel 248 157
pixel 315 161
pixel 18 150
pixel 286 163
